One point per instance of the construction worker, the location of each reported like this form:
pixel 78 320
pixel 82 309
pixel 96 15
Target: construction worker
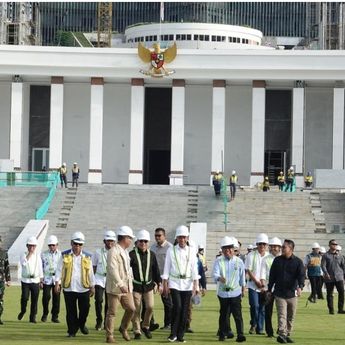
pixel 290 179
pixel 50 259
pixel 63 175
pixel 146 277
pixel 75 174
pixel 233 183
pixel 266 185
pixel 229 274
pixel 281 181
pixel 99 263
pixel 5 278
pixel 75 274
pixel 308 180
pixel 217 182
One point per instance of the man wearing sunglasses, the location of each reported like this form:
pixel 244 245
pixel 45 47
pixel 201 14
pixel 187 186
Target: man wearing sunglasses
pixel 75 274
pixel 333 267
pixel 50 259
pixel 146 277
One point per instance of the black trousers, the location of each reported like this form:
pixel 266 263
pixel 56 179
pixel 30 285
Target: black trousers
pixel 34 290
pixel 180 301
pixel 168 305
pixel 48 291
pixel 232 190
pixel 316 286
pixel 268 318
pixel 99 293
pixel 73 302
pixel 230 306
pixel 340 288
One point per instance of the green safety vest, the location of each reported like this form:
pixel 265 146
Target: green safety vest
pixel 141 275
pixel 230 285
pixel 181 276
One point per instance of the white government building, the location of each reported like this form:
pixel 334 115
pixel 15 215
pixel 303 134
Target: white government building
pixel 231 104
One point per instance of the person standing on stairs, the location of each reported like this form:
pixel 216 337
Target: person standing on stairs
pixel 233 183
pixel 75 174
pixel 63 175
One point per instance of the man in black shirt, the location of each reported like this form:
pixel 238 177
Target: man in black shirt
pixel 145 277
pixel 286 280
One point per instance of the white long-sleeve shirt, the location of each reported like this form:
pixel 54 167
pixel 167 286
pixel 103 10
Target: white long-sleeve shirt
pixel 253 264
pixel 180 262
pixel 50 261
pixel 99 259
pixel 31 268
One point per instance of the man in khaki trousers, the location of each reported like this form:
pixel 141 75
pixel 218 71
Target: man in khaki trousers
pixel 119 285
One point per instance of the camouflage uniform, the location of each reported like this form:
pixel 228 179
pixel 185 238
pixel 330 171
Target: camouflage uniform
pixel 4 277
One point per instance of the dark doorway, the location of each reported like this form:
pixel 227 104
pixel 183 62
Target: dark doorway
pixel 157 137
pixel 277 133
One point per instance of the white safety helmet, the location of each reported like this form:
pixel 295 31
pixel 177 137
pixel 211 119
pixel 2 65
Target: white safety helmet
pixel 262 238
pixel 63 164
pixel 75 163
pixel 250 247
pixel 143 235
pixel 291 168
pixel 233 172
pixel 181 230
pixel 275 241
pixel 78 237
pixel 227 241
pixel 315 246
pixel 322 250
pixel 109 235
pixel 217 172
pixel 125 230
pixel 52 239
pixel 32 240
pixel 338 248
pixel 235 241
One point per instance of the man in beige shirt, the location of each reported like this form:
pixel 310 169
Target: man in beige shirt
pixel 119 284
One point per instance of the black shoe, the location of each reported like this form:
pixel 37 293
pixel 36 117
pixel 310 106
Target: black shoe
pixel 137 336
pixel 252 330
pixel 1 323
pixel 98 326
pixel 281 339
pixel 240 338
pixel 84 330
pixel 189 330
pixel 55 320
pixel 180 340
pixel 311 299
pixel 153 327
pixel 260 332
pixel 171 338
pixel 341 311
pixel 147 333
pixel 221 338
pixel 72 335
pixel 289 340
pixel 20 315
pixel 331 312
pixel 230 335
pixel 44 318
pixel 33 320
pixel 270 335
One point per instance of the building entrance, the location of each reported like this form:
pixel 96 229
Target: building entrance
pixel 277 133
pixel 157 135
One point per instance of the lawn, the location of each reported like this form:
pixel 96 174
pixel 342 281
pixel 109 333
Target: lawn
pixel 313 325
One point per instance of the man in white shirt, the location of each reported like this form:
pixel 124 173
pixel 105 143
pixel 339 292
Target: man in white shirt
pixel 75 274
pixel 50 259
pixel 253 268
pixel 99 263
pixel 181 280
pixel 32 276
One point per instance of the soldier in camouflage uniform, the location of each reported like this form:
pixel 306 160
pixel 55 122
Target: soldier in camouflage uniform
pixel 4 277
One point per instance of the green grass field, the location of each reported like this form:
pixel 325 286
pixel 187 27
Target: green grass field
pixel 313 325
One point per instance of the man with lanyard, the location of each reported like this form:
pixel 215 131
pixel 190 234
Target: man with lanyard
pixel 50 259
pixel 312 263
pixel 160 249
pixel 119 284
pixel 229 274
pixel 275 245
pixel 99 263
pixel 32 276
pixel 146 278
pixel 233 183
pixel 333 267
pixel 253 267
pixel 286 282
pixel 75 274
pixel 181 280
pixel 5 278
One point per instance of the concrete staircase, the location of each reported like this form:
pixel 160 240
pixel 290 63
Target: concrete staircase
pixel 17 206
pixel 333 208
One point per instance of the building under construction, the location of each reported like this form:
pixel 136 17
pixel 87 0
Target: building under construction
pixel 20 23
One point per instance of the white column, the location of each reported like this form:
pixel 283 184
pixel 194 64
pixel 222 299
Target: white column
pixel 218 127
pixel 338 129
pixel 96 131
pixel 135 175
pixel 258 132
pixel 16 136
pixel 297 144
pixel 177 133
pixel 56 123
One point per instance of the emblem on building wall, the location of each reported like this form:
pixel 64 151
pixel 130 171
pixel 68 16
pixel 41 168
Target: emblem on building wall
pixel 158 58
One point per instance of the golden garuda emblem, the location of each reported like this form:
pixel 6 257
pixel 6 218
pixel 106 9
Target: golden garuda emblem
pixel 157 58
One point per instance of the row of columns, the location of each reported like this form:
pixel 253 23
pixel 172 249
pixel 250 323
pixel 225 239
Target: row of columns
pixel 177 128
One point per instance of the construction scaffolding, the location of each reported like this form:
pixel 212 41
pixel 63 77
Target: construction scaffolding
pixel 104 24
